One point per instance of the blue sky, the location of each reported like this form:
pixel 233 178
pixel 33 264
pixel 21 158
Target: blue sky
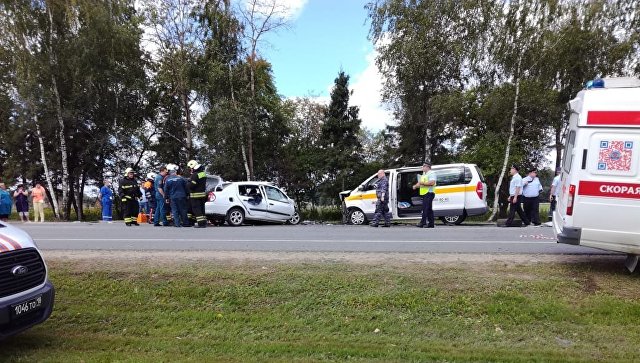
pixel 326 36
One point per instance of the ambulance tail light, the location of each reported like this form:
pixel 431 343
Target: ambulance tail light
pixel 212 196
pixel 480 189
pixel 572 194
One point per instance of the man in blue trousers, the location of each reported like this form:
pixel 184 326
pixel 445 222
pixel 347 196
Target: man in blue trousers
pixel 160 217
pixel 106 198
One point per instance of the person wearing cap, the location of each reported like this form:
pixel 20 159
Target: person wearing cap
pixel 427 184
pixel 129 192
pixel 553 194
pixel 106 199
pixel 159 216
pixel 197 192
pixel 515 191
pixel 531 188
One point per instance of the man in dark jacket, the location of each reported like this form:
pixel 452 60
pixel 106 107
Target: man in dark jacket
pixel 129 192
pixel 175 188
pixel 382 201
pixel 197 195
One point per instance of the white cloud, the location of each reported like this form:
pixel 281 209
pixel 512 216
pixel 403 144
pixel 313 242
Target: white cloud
pixel 367 94
pixel 288 9
pixel 294 7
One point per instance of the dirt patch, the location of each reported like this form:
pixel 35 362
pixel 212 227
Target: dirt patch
pixel 154 258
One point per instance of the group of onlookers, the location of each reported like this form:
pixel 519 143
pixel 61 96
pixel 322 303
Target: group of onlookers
pixel 21 200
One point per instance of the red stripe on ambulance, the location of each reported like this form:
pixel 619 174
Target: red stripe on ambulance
pixel 609 189
pixel 10 241
pixel 616 118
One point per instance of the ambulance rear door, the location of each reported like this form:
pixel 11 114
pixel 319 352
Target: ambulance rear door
pixel 606 184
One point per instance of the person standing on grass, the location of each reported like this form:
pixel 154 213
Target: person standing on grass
pixel 106 199
pixel 427 184
pixel 5 203
pixel 37 194
pixel 515 190
pixel 21 196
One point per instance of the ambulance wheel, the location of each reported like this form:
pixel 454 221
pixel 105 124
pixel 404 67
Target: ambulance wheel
pixel 357 217
pixel 457 220
pixel 235 217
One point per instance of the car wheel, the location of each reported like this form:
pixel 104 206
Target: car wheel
pixel 295 219
pixel 235 217
pixel 457 220
pixel 357 217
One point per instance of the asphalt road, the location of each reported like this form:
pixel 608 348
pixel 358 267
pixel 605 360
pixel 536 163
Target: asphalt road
pixel 302 238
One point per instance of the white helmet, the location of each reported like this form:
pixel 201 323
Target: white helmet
pixel 127 171
pixel 193 164
pixel 151 176
pixel 172 167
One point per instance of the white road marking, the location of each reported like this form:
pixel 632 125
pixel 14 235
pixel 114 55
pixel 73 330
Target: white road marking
pixel 279 240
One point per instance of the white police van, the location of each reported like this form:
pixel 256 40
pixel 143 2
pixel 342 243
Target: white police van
pixel 26 294
pixel 460 192
pixel 599 191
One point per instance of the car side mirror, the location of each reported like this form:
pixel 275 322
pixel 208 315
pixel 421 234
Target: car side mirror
pixel 361 188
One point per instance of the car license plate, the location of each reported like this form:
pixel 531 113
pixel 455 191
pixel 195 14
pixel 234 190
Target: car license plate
pixel 25 307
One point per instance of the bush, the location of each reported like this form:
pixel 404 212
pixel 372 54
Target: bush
pixel 91 214
pixel 322 213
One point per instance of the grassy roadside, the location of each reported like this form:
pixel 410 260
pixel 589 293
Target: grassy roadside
pixel 336 312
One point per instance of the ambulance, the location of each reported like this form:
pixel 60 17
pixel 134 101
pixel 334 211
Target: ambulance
pixel 599 191
pixel 460 192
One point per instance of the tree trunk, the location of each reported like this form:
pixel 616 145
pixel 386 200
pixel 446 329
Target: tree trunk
pixel 507 150
pixel 428 156
pixel 80 197
pixel 43 159
pixel 187 124
pixel 253 111
pixel 558 146
pixel 235 107
pixel 58 104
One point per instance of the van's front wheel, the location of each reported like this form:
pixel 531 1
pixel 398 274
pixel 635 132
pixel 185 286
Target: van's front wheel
pixel 357 217
pixel 457 220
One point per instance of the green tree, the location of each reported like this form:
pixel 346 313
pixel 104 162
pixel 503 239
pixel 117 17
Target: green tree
pixel 341 148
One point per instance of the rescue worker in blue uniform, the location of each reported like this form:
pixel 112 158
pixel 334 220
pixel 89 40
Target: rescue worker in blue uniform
pixel 106 200
pixel 129 192
pixel 197 192
pixel 382 201
pixel 175 188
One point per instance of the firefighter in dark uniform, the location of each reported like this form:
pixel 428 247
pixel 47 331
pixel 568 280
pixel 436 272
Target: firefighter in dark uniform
pixel 129 192
pixel 197 195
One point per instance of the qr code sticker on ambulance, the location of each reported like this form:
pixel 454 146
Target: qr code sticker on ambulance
pixel 615 155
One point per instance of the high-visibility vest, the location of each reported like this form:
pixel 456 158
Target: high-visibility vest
pixel 425 178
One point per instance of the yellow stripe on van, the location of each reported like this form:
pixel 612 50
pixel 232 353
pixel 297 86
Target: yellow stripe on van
pixel 361 196
pixel 439 190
